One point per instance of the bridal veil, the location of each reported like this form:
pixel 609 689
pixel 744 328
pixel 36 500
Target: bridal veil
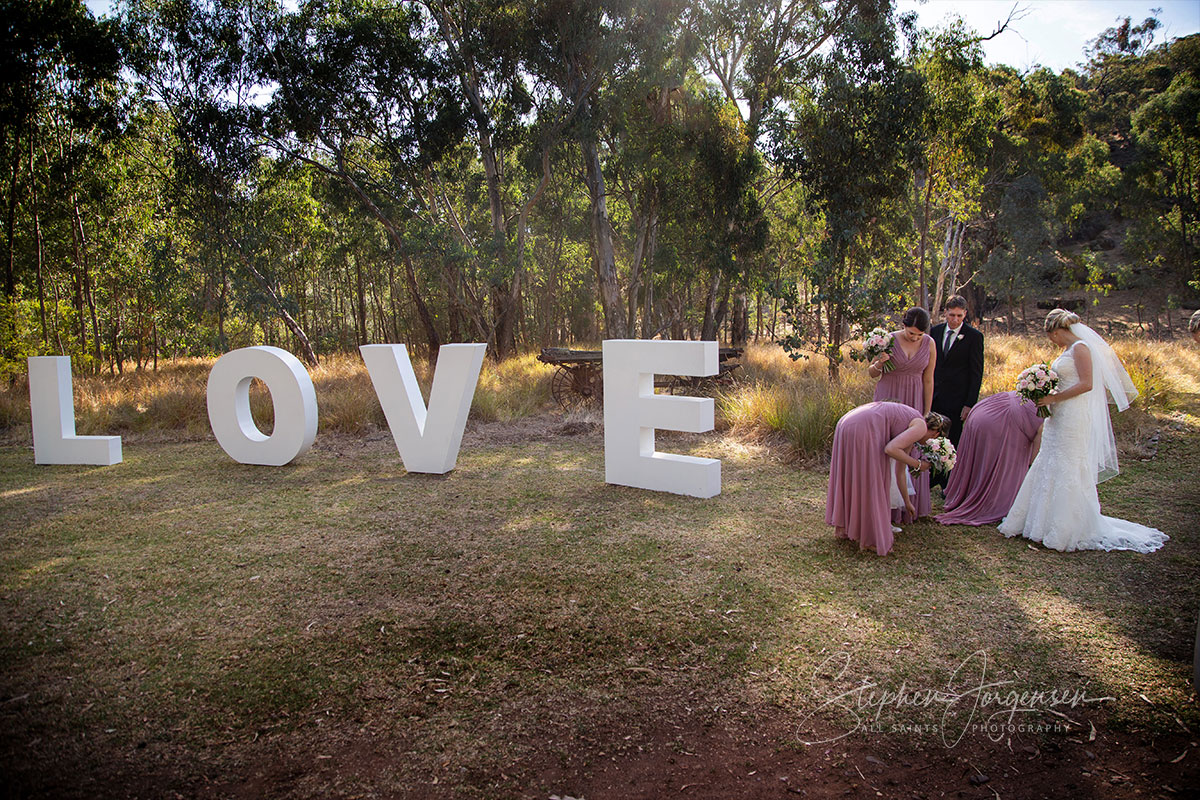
pixel 1112 381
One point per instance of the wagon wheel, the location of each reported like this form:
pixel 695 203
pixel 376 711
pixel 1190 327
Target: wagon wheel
pixel 681 385
pixel 577 387
pixel 697 386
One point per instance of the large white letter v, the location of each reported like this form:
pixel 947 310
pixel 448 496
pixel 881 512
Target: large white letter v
pixel 428 441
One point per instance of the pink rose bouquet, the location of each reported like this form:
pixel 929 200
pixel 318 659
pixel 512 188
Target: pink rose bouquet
pixel 877 343
pixel 1037 382
pixel 940 454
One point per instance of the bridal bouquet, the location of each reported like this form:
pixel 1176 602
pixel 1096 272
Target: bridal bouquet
pixel 940 454
pixel 877 343
pixel 1036 382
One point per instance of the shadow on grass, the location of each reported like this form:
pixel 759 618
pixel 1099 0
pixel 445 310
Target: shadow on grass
pixel 518 608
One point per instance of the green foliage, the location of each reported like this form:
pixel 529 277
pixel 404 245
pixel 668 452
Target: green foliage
pixel 849 142
pixel 1023 262
pixel 198 176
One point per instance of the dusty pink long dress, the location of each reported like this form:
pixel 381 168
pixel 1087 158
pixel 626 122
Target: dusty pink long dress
pixel 906 384
pixel 857 501
pixel 993 457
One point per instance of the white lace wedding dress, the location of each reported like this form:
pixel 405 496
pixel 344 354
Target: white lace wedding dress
pixel 1057 504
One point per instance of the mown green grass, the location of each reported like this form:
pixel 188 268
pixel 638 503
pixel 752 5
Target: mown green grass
pixel 201 611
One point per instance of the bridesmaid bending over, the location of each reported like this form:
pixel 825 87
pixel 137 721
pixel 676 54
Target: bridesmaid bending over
pixel 999 439
pixel 865 442
pixel 911 383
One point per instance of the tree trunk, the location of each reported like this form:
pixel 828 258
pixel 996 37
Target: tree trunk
pixel 431 335
pixel 739 323
pixel 79 284
pixel 512 303
pixel 38 244
pixel 605 257
pixel 648 327
pixel 361 300
pixel 922 299
pixel 646 224
pixel 835 340
pixel 708 331
pixel 395 304
pixel 10 281
pixel 945 267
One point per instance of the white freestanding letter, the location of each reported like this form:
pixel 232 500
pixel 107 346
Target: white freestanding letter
pixel 428 441
pixel 292 394
pixel 632 411
pixel 52 408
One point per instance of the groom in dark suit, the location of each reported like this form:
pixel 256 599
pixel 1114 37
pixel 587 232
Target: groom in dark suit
pixel 959 370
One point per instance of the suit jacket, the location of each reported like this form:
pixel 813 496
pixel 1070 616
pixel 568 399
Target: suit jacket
pixel 959 372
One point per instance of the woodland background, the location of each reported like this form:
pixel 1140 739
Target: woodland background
pixel 193 176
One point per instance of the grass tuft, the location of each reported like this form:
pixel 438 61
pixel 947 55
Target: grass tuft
pixel 775 398
pixel 518 387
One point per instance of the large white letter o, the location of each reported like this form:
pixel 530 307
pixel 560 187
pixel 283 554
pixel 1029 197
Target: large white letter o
pixel 292 394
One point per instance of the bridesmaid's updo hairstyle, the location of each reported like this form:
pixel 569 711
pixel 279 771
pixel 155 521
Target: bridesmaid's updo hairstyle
pixel 917 317
pixel 1060 319
pixel 937 422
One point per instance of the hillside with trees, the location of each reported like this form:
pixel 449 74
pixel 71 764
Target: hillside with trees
pixel 198 175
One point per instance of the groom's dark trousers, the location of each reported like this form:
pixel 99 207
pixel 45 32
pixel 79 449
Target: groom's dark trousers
pixel 957 376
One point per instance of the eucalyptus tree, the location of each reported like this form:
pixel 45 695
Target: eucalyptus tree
pixel 849 137
pixel 486 48
pixel 57 102
pixel 196 59
pixel 760 52
pixel 1023 261
pixel 960 117
pixel 360 94
pixel 577 51
pixel 1167 131
pixel 681 167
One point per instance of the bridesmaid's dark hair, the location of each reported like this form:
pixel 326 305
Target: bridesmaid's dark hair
pixel 937 422
pixel 917 317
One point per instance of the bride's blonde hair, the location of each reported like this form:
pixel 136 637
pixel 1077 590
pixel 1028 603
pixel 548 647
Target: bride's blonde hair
pixel 1060 318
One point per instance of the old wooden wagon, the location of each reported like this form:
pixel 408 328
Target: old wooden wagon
pixel 578 380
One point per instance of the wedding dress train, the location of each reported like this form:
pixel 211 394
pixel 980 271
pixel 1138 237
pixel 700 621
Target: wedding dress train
pixel 1057 503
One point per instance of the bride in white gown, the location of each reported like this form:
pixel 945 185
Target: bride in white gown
pixel 1057 504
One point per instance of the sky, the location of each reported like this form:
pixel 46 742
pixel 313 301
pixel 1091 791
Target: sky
pixel 1050 33
pixel 1054 33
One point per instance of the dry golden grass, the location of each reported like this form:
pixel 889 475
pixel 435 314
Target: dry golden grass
pixel 171 403
pixel 774 399
pixel 515 388
pixel 795 403
pixel 1162 371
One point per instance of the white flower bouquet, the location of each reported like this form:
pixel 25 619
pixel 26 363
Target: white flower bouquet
pixel 1037 382
pixel 877 343
pixel 940 454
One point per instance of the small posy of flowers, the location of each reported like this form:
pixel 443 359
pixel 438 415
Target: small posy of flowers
pixel 877 343
pixel 940 454
pixel 1037 382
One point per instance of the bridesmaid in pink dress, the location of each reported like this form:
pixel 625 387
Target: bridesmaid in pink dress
pixel 865 443
pixel 1000 438
pixel 911 383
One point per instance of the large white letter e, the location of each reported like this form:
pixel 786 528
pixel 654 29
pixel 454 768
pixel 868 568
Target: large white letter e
pixel 632 411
